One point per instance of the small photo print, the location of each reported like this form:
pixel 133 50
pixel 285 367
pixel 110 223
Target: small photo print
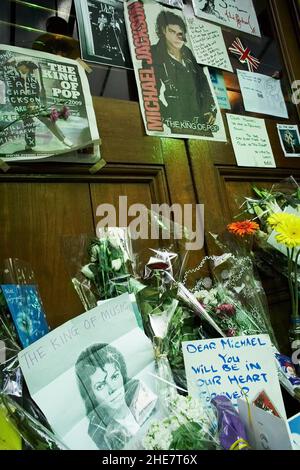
pixel 289 139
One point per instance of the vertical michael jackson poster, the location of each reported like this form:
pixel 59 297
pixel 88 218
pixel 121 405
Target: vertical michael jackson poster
pixel 176 95
pixel 102 32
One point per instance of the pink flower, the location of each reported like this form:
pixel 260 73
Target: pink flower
pixel 227 310
pixel 54 115
pixel 65 113
pixel 231 332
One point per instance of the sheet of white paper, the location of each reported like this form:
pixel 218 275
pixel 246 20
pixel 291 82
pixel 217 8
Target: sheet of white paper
pixel 236 14
pixel 289 139
pixel 250 141
pixel 294 424
pixel 49 365
pixel 267 431
pixel 208 44
pixel 234 367
pixel 262 94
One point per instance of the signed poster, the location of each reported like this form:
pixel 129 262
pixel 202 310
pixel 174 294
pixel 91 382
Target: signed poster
pixel 177 98
pixel 236 14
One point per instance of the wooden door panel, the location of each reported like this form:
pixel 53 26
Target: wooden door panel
pixel 34 219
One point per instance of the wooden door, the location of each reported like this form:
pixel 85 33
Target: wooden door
pixel 42 204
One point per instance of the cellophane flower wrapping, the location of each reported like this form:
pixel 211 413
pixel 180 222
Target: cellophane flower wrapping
pixel 280 198
pixel 232 432
pixel 187 423
pixel 20 411
pixel 187 427
pixel 237 284
pixel 101 267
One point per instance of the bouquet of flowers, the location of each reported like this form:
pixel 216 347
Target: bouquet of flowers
pixel 21 319
pixel 278 239
pixel 108 271
pixel 188 427
pixel 112 271
pixel 234 298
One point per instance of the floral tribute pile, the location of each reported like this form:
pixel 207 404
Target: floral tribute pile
pixel 170 312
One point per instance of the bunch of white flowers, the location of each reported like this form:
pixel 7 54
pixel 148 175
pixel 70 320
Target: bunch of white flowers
pixel 207 297
pixel 186 410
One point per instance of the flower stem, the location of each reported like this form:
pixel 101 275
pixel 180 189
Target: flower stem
pixel 290 269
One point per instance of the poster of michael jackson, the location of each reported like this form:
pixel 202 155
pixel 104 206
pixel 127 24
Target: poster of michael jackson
pixel 102 32
pixel 45 105
pixel 176 95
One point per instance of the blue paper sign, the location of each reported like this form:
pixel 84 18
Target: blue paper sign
pixel 25 307
pixel 218 82
pixel 294 424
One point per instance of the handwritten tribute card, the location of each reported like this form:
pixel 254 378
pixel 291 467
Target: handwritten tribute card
pixel 208 44
pixel 236 14
pixel 262 94
pixel 235 367
pixel 250 141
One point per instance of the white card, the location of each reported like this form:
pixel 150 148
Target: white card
pixel 264 430
pixel 250 141
pixel 262 94
pixel 236 14
pixel 208 44
pixel 235 367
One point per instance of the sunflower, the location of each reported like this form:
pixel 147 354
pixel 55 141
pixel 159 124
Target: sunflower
pixel 289 232
pixel 247 227
pixel 279 217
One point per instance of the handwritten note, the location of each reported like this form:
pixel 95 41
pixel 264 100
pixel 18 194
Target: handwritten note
pixel 262 94
pixel 250 141
pixel 236 14
pixel 208 44
pixel 235 367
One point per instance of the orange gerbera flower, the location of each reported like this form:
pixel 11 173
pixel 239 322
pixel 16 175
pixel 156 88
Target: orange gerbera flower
pixel 247 227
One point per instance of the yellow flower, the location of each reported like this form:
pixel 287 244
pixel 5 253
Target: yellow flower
pixel 278 217
pixel 289 231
